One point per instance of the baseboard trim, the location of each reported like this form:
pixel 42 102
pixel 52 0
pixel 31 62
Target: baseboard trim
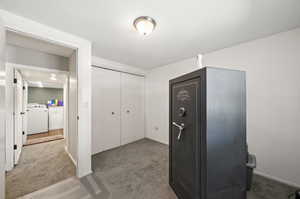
pixel 85 174
pixel 292 184
pixel 71 157
pixel 156 140
pixel 8 167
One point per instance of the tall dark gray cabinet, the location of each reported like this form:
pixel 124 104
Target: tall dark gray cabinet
pixel 208 152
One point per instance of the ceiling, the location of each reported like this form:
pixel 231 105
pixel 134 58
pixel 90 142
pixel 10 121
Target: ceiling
pixel 36 44
pixel 184 28
pixel 38 78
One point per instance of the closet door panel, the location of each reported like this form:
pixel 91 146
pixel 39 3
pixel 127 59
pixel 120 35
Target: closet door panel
pixel 132 108
pixel 105 110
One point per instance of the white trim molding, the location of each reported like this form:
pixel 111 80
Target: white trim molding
pixel 108 64
pixel 286 182
pixel 70 156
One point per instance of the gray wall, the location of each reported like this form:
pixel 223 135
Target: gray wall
pixel 19 55
pixel 42 95
pixel 273 100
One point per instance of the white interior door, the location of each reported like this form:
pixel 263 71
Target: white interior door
pixel 18 116
pixel 132 108
pixel 105 110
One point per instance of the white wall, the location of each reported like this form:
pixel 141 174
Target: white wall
pixel 157 97
pixel 72 108
pixel 273 100
pixel 9 120
pixel 2 113
pixel 26 56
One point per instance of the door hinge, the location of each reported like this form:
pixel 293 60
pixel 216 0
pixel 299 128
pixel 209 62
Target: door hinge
pixel 24 88
pixel 15 80
pixel 77 117
pixel 23 132
pixel 15 147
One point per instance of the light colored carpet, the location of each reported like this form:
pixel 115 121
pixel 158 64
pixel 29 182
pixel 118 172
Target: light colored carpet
pixel 70 188
pixel 40 166
pixel 138 171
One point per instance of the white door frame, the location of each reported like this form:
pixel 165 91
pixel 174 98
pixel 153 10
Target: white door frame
pixel 36 30
pixel 25 102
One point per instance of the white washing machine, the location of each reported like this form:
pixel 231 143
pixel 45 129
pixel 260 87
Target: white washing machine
pixel 37 119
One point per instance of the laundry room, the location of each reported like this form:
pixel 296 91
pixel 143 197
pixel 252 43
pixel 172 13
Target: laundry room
pixel 46 105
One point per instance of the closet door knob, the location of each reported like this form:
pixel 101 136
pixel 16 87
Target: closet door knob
pixel 128 111
pixel 112 113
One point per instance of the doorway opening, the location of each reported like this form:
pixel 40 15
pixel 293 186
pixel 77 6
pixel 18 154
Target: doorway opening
pixel 41 127
pixel 44 101
pixel 40 98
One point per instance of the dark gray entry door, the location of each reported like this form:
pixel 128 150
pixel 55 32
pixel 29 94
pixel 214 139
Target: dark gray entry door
pixel 184 138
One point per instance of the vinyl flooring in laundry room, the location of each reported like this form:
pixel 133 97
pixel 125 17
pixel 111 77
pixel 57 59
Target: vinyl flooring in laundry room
pixel 138 171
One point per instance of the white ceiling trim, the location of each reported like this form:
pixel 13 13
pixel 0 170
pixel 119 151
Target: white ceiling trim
pixel 105 63
pixel 45 85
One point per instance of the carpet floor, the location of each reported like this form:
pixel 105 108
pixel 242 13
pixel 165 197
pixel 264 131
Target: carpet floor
pixel 40 166
pixel 138 171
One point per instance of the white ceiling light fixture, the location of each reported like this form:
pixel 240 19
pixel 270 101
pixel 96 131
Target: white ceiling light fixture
pixel 53 77
pixel 2 74
pixel 144 25
pixel 40 84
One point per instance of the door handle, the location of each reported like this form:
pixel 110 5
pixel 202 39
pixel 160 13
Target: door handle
pixel 181 128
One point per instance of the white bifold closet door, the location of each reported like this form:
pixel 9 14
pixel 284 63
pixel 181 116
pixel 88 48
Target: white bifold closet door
pixel 132 108
pixel 106 117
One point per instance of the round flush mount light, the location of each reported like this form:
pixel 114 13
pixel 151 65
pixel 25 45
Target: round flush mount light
pixel 53 77
pixel 144 25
